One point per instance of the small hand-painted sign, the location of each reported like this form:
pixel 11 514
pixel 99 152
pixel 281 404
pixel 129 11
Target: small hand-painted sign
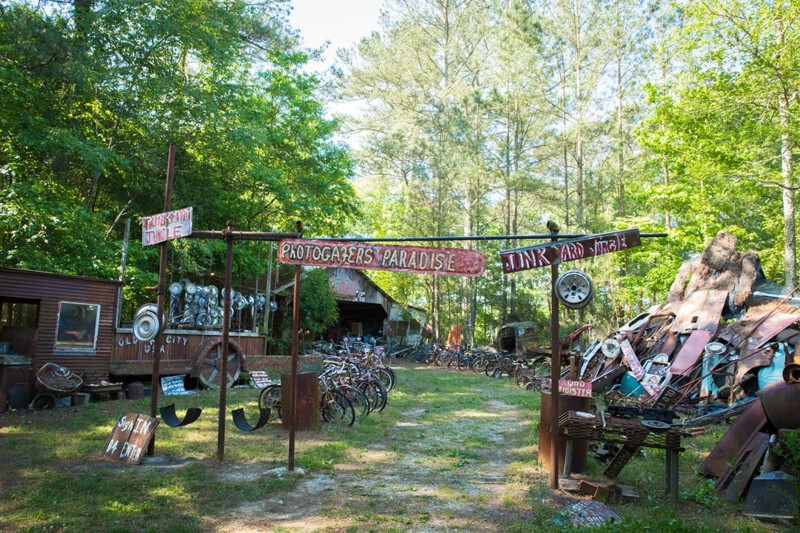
pixel 283 363
pixel 572 387
pixel 631 360
pixel 165 226
pixel 130 438
pixel 543 255
pixel 366 256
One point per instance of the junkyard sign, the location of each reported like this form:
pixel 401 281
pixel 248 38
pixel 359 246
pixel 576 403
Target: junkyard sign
pixel 543 255
pixel 367 256
pixel 165 226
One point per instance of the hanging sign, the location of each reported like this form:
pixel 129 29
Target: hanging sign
pixel 367 256
pixel 543 255
pixel 166 226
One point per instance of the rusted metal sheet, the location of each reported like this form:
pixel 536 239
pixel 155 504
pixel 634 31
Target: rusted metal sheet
pixel 182 351
pixel 366 256
pixel 40 342
pixel 747 461
pixel 780 401
pixel 690 352
pixel 751 421
pixel 519 259
pixel 770 327
pixel 701 310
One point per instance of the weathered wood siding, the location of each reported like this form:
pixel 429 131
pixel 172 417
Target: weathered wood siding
pixel 182 351
pixel 48 290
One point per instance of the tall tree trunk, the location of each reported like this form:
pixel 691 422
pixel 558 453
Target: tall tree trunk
pixel 620 140
pixel 790 246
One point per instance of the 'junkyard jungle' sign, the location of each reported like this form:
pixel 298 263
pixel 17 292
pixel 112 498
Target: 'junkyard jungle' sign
pixel 415 259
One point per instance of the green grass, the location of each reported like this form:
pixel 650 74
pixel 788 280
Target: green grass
pixel 438 426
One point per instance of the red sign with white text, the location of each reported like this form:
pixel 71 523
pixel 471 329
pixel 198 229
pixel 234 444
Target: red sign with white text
pixel 572 387
pixel 367 256
pixel 543 255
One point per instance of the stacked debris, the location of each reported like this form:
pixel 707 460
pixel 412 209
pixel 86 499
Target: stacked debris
pixel 710 348
pixel 723 345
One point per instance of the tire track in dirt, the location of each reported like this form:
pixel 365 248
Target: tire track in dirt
pixel 434 471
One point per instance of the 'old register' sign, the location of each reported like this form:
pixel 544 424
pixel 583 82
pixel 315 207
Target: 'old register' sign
pixel 166 226
pixel 544 255
pixel 415 259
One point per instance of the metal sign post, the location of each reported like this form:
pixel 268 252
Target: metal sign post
pixel 295 355
pixel 555 372
pixel 552 254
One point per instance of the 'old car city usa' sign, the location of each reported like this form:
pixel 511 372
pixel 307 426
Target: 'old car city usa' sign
pixel 414 259
pixel 543 255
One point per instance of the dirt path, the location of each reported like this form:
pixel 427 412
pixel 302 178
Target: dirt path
pixel 436 470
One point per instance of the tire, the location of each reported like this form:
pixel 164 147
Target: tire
pixel 270 398
pixel 357 398
pixel 479 364
pixel 376 394
pixel 336 409
pixel 490 368
pixel 387 377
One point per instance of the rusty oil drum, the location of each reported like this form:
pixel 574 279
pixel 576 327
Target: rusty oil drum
pixel 580 447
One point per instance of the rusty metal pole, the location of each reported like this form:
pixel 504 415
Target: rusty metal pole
pixel 555 371
pixel 295 354
pixel 161 291
pixel 226 317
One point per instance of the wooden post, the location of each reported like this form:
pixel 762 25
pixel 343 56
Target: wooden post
pixel 226 319
pixel 162 289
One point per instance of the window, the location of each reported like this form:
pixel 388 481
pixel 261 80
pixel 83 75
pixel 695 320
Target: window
pixel 77 326
pixel 19 314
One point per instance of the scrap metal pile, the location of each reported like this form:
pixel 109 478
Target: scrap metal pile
pixel 710 349
pixel 722 348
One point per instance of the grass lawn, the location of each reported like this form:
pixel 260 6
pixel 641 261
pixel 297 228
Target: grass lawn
pixel 451 451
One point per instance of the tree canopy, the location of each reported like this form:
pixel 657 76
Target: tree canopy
pixel 93 92
pixel 479 118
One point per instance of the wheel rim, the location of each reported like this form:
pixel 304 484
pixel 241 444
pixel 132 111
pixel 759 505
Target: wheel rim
pixel 211 366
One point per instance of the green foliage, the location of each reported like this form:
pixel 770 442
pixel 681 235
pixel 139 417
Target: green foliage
pixel 93 92
pixel 318 309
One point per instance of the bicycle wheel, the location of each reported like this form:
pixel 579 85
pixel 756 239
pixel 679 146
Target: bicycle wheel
pixel 479 363
pixel 386 375
pixel 336 409
pixel 375 393
pixel 357 398
pixel 270 398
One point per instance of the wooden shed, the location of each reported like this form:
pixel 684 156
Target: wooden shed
pixel 56 318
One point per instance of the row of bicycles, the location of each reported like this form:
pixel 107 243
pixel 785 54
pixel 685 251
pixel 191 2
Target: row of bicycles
pixel 351 386
pixel 528 373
